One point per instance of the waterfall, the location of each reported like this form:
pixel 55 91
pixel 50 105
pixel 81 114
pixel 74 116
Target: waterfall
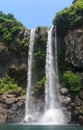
pixel 29 103
pixel 53 111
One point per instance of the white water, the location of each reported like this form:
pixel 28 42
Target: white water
pixel 53 112
pixel 29 104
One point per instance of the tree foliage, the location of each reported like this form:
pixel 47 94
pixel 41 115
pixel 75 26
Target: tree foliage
pixel 9 27
pixel 7 16
pixel 14 45
pixel 7 85
pixel 69 18
pixel 72 82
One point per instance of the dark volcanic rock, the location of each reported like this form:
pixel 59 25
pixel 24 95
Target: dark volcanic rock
pixel 74 48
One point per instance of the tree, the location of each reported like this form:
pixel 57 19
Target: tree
pixel 74 1
pixel 10 16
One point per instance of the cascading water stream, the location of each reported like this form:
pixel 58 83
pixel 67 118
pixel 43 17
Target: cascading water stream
pixel 53 111
pixel 29 104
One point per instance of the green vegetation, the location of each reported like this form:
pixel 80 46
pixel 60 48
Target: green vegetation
pixel 9 27
pixel 40 52
pixel 39 88
pixel 72 82
pixel 69 18
pixel 19 75
pixel 13 52
pixel 39 56
pixel 11 33
pixel 8 16
pixel 8 85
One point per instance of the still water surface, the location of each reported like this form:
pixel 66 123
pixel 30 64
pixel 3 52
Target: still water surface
pixel 38 127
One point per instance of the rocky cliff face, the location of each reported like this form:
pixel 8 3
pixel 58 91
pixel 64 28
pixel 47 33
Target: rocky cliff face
pixel 71 51
pixel 70 58
pixel 13 57
pixel 74 48
pixel 13 63
pixel 74 57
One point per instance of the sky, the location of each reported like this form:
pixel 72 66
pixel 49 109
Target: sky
pixel 33 13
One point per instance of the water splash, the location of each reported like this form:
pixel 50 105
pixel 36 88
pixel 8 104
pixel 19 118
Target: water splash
pixel 53 111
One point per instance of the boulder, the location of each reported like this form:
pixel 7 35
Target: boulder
pixel 79 110
pixel 9 100
pixel 65 100
pixel 64 91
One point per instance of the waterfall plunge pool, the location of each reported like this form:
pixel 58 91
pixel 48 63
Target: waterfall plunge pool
pixel 38 127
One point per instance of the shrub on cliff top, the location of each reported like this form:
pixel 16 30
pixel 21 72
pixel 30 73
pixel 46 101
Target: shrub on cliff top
pixel 69 18
pixel 9 27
